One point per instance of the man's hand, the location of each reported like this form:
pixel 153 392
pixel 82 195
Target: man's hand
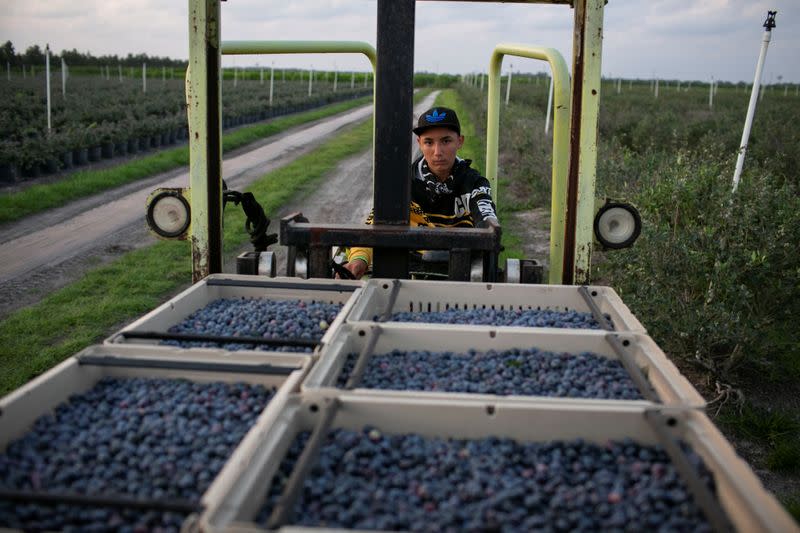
pixel 358 267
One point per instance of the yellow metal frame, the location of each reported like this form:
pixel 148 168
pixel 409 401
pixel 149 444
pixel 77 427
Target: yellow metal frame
pixel 561 115
pixel 576 239
pixel 197 100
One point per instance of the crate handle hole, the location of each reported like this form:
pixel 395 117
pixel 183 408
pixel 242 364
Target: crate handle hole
pixel 490 410
pixel 313 408
pixel 672 422
pixel 361 333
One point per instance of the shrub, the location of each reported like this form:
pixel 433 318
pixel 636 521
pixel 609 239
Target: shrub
pixel 714 276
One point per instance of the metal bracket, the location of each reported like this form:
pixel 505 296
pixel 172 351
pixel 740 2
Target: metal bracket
pixel 596 312
pixel 128 362
pixel 282 513
pixel 703 496
pixel 222 339
pixel 633 369
pixel 74 498
pixel 387 312
pixel 363 357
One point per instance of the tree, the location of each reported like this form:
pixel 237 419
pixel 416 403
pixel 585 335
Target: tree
pixel 34 55
pixel 7 55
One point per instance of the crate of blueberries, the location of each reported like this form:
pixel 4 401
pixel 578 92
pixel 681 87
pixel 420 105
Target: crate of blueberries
pixel 494 304
pixel 349 461
pixel 523 365
pixel 132 438
pixel 229 312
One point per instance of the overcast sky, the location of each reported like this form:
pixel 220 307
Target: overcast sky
pixel 669 39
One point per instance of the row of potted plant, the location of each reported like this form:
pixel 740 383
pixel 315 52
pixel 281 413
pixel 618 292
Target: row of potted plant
pixel 34 153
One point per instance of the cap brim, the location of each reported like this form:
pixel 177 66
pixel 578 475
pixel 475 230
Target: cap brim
pixel 422 129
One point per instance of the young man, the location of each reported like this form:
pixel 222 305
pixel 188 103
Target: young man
pixel 445 191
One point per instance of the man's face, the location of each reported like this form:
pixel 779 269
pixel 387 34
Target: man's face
pixel 439 147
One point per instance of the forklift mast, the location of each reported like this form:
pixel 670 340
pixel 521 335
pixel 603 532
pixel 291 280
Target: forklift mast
pixel 393 103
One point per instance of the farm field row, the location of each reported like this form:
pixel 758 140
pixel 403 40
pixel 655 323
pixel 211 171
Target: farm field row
pixel 99 119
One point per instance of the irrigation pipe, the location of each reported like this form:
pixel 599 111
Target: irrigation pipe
pixel 751 109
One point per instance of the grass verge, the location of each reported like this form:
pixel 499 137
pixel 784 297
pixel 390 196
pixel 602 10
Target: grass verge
pixel 39 198
pixel 36 338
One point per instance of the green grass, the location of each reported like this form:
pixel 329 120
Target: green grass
pixel 777 430
pixel 761 425
pixel 37 198
pixel 792 504
pixel 38 337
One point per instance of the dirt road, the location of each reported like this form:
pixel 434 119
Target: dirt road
pixel 46 251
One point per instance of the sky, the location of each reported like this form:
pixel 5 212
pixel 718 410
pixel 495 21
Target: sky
pixel 666 39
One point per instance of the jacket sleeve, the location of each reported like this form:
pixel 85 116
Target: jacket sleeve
pixel 365 254
pixel 481 205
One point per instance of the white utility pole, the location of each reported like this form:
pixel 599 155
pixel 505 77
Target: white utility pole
pixel 549 107
pixel 508 86
pixel 271 82
pixel 769 23
pixel 711 94
pixel 63 78
pixel 47 76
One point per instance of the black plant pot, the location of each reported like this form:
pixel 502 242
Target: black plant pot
pixel 8 173
pixel 66 160
pixel 107 150
pixel 31 171
pixel 80 156
pixel 51 166
pixel 95 153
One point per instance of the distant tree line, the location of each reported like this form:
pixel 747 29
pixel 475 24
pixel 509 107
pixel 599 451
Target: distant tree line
pixel 34 55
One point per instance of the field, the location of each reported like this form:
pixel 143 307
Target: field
pixel 715 276
pixel 98 118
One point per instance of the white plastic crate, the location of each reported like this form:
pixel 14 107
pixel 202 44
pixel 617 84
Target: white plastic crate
pixel 743 500
pixel 217 286
pixel 20 408
pixel 668 386
pixel 437 296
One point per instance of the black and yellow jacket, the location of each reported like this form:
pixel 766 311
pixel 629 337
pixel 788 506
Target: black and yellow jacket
pixel 464 199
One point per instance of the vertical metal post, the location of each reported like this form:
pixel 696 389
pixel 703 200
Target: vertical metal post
pixel 47 76
pixel 205 144
pixel 63 78
pixel 751 108
pixel 586 77
pixel 394 77
pixel 508 85
pixel 549 107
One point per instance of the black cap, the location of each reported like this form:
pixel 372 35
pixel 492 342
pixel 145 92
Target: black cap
pixel 438 117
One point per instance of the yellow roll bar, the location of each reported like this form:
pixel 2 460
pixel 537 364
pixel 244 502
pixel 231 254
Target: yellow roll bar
pixel 561 116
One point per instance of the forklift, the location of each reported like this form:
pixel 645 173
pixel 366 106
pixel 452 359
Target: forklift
pixel 469 254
